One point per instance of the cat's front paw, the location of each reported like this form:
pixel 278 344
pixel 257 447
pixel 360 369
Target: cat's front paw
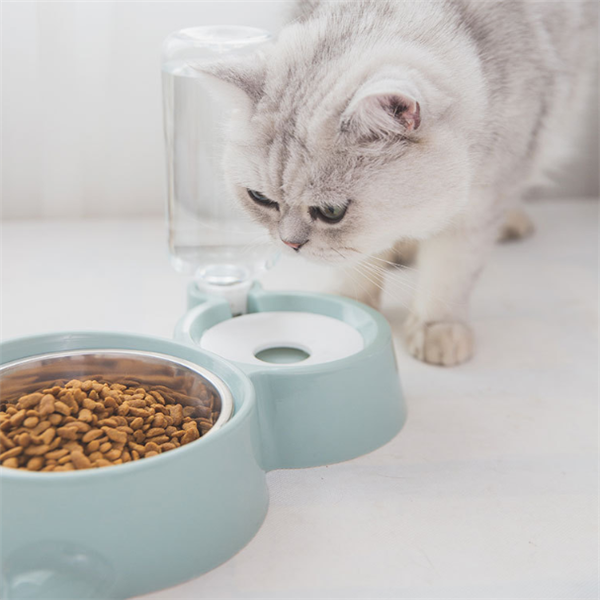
pixel 444 343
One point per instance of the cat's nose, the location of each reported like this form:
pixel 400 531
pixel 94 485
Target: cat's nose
pixel 295 245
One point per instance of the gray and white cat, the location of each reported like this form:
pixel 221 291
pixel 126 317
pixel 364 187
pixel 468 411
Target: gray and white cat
pixel 374 125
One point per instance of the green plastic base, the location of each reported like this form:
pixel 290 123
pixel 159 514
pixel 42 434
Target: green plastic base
pixel 134 528
pixel 315 414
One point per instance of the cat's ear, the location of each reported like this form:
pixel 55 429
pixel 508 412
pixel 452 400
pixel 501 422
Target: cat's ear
pixel 382 108
pixel 242 80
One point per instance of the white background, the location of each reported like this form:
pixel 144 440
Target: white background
pixel 81 101
pixel 81 104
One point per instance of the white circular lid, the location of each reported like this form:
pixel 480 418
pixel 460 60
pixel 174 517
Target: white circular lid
pixel 323 339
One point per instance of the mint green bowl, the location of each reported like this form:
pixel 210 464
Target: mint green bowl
pixel 130 529
pixel 318 414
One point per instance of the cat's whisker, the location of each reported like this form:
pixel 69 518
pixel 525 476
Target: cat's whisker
pixel 402 285
pixel 381 274
pixel 356 281
pixel 349 275
pixel 378 268
pixel 392 264
pixel 368 277
pixel 379 285
pixel 398 283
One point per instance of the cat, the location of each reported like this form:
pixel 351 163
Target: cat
pixel 371 127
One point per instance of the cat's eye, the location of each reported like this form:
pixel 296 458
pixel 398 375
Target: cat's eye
pixel 330 214
pixel 261 199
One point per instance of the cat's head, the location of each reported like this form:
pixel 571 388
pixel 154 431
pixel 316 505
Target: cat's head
pixel 339 165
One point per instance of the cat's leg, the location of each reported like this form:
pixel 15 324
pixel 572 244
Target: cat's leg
pixel 437 331
pixel 517 224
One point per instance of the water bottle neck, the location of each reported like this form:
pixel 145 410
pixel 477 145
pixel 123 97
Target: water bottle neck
pixel 236 294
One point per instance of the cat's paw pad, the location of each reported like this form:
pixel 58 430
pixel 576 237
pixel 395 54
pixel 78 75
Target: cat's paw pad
pixel 517 225
pixel 444 343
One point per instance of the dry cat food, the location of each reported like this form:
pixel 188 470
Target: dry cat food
pixel 88 424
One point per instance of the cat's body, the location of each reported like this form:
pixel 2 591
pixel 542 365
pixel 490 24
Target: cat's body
pixel 421 121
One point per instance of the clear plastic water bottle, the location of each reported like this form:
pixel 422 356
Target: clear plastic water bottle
pixel 210 237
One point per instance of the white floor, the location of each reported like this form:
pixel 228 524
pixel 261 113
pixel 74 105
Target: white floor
pixel 491 489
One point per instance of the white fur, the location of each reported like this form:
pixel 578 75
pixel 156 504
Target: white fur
pixel 427 119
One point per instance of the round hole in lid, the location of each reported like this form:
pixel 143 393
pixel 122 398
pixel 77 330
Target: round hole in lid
pixel 282 355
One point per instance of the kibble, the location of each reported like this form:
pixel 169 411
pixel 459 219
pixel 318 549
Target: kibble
pixel 93 424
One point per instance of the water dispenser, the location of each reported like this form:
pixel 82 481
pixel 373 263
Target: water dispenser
pixel 210 238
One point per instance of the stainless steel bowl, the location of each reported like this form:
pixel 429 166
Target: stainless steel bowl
pixel 197 384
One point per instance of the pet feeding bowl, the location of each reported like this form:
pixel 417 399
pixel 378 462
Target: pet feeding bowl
pixel 133 528
pixel 299 379
pixel 128 529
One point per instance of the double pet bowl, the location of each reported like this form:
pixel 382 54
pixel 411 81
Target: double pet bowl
pixel 317 386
